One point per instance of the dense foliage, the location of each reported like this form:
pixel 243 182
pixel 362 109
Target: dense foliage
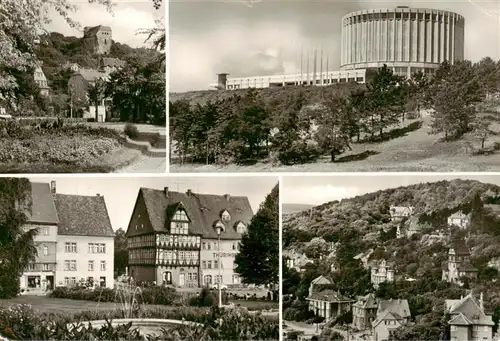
pixel 17 247
pixel 24 323
pixel 258 259
pixel 53 144
pixel 362 223
pixel 300 124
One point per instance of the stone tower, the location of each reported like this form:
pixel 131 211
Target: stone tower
pixel 99 38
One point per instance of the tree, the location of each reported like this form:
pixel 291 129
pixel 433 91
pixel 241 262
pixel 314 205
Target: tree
pixel 121 253
pixel 481 129
pixel 96 93
pixel 17 248
pixel 258 259
pixel 22 26
pixel 333 134
pixel 453 93
pixel 417 86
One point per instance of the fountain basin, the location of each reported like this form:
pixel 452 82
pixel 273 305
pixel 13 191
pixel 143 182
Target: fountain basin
pixel 146 326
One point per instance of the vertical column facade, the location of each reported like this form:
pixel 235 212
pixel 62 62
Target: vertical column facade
pixel 404 38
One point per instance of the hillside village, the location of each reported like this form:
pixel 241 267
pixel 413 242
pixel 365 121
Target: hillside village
pixel 77 77
pixel 411 263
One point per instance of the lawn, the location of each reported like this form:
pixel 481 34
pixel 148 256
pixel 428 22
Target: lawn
pixel 417 151
pixel 47 304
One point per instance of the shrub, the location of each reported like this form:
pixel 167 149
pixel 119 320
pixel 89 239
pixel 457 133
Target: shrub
pixel 21 322
pixel 131 131
pixel 149 295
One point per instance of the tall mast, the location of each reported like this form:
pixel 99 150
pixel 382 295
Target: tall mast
pixel 314 67
pixel 321 68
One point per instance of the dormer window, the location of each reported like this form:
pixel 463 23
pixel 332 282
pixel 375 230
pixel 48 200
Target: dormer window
pixel 179 223
pixel 241 228
pixel 225 216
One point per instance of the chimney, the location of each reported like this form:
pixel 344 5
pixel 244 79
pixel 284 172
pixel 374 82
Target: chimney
pixel 97 195
pixel 227 197
pixel 189 192
pixel 53 187
pixel 165 191
pixel 481 302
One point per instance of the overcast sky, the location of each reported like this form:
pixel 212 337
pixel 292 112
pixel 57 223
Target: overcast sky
pixel 128 16
pixel 213 36
pixel 120 193
pixel 316 190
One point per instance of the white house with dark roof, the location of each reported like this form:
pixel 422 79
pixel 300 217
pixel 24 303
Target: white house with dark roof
pixel 85 240
pixel 459 219
pixel 328 304
pixel 381 271
pixel 468 319
pixel 391 314
pixel 172 237
pixel 400 212
pixel 40 275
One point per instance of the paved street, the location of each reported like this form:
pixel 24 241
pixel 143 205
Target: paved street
pixel 145 164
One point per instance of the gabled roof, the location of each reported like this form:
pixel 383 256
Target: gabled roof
pixel 43 209
pixel 386 316
pixel 398 308
pixel 321 280
pixel 83 216
pixel 459 214
pixel 461 248
pixel 93 30
pixel 202 209
pixel 90 75
pixel 460 320
pixel 367 302
pixel 328 296
pixel 470 308
pixel 172 209
pixel 112 62
pixel 466 267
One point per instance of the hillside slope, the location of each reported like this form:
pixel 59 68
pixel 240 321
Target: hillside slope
pixel 335 232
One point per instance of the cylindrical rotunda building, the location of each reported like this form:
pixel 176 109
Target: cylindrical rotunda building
pixel 406 39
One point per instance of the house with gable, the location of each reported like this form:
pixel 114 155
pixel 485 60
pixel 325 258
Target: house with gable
pixel 391 314
pixel 459 219
pixel 109 65
pixel 400 212
pixel 458 264
pixel 381 271
pixel 329 304
pixel 85 240
pixel 317 282
pixel 364 312
pixel 40 275
pixel 79 84
pixel 41 81
pixel 468 319
pixel 172 237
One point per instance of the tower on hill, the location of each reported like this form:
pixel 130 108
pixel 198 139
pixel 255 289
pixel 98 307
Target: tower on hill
pixel 99 38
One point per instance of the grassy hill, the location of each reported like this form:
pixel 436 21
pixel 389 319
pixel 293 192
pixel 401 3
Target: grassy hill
pixel 362 223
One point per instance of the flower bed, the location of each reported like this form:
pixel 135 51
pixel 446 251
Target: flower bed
pixel 22 322
pixel 48 143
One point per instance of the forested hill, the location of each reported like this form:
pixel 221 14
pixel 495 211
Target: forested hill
pixel 369 212
pixel 291 208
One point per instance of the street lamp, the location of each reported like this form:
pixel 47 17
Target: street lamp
pixel 218 229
